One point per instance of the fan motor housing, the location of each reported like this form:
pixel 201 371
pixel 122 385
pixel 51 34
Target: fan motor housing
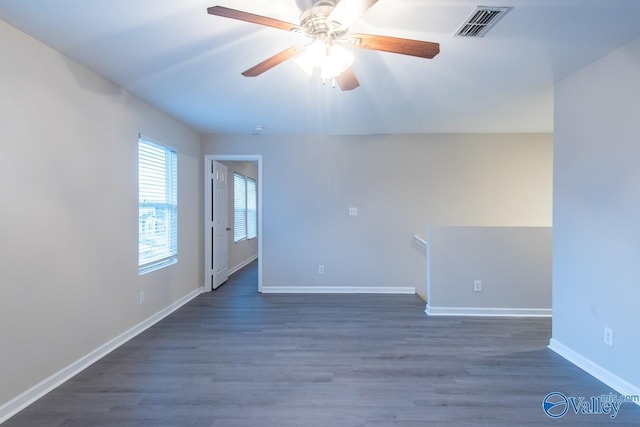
pixel 315 21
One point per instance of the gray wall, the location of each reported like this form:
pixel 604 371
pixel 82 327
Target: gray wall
pixel 399 183
pixel 596 243
pixel 69 219
pixel 512 263
pixel 244 250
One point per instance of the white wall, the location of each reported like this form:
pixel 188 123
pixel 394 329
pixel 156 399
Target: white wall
pixel 68 222
pixel 244 250
pixel 513 265
pixel 399 183
pixel 596 244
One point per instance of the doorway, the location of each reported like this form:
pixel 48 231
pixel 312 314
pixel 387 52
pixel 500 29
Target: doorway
pixel 214 187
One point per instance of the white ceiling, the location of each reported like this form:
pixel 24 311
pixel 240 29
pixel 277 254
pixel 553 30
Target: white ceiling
pixel 188 63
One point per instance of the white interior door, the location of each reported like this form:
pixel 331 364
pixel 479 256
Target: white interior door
pixel 219 226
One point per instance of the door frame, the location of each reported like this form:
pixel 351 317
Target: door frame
pixel 207 208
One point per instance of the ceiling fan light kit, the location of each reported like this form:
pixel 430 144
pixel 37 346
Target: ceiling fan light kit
pixel 325 26
pixel 330 59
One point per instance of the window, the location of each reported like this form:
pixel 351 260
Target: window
pixel 239 207
pixel 252 216
pixel 245 218
pixel 157 206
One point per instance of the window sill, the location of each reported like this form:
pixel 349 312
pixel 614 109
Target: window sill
pixel 244 239
pixel 156 266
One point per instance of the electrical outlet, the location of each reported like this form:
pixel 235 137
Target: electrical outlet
pixel 477 286
pixel 353 211
pixel 141 297
pixel 321 269
pixel 608 336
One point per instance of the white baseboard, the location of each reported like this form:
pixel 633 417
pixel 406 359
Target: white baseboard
pixel 243 264
pixel 337 290
pixel 479 311
pixel 615 382
pixel 24 399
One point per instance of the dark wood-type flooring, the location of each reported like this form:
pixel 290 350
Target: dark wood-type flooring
pixel 234 357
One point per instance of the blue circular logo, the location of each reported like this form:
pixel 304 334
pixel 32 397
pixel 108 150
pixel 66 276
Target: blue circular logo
pixel 555 404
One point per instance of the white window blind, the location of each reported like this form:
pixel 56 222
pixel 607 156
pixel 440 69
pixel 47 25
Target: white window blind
pixel 239 207
pixel 245 215
pixel 158 206
pixel 252 217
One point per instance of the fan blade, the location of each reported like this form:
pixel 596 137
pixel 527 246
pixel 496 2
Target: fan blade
pixel 250 17
pixel 395 45
pixel 271 62
pixel 347 80
pixel 347 12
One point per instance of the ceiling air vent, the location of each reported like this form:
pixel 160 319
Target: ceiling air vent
pixel 481 20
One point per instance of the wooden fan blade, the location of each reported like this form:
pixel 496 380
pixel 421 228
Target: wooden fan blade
pixel 250 17
pixel 347 12
pixel 395 45
pixel 271 62
pixel 347 80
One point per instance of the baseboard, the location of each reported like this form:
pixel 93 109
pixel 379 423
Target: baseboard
pixel 337 290
pixel 18 403
pixel 243 264
pixel 494 312
pixel 615 382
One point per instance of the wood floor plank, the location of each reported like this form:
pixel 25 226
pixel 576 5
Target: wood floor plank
pixel 235 358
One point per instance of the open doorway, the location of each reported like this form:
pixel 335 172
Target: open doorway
pixel 226 249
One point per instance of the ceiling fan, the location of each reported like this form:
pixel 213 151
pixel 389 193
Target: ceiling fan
pixel 325 26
